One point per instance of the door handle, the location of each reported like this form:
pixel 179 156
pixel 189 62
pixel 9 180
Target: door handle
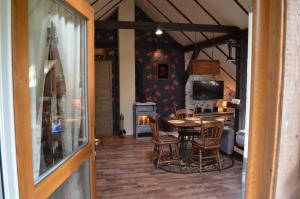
pixel 97 142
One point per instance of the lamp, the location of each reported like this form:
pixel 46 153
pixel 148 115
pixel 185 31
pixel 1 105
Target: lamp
pixel 232 44
pixel 158 31
pixel 224 105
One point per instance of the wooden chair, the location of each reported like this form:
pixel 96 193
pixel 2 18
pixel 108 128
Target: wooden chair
pixel 161 139
pixel 208 145
pixel 182 113
pixel 186 133
pixel 221 118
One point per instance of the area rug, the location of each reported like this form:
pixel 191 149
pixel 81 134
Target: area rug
pixel 227 163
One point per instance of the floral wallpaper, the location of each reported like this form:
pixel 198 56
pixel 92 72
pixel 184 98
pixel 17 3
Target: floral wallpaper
pixel 152 50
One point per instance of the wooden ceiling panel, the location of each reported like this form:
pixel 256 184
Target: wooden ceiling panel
pixel 245 4
pixel 100 4
pixel 177 36
pixel 101 7
pixel 195 36
pixel 166 8
pixel 158 17
pixel 150 11
pixel 193 12
pixel 226 12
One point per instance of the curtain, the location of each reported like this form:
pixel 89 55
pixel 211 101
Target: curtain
pixel 38 48
pixel 68 29
pixel 68 43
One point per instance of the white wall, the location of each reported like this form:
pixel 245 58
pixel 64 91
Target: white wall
pixel 127 65
pixel 287 184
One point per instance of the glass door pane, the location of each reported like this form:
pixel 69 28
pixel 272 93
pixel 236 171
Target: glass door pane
pixel 77 186
pixel 57 83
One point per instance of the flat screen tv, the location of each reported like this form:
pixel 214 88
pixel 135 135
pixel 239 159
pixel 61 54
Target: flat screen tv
pixel 208 90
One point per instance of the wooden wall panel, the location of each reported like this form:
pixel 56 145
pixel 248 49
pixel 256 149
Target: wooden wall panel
pixel 104 101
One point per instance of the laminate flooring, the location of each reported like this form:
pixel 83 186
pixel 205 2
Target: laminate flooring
pixel 125 171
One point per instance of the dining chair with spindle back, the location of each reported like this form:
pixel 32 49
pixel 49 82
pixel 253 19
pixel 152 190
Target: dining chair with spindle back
pixel 186 133
pixel 210 136
pixel 182 113
pixel 161 139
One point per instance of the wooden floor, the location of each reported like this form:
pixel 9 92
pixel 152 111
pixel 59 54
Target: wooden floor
pixel 125 170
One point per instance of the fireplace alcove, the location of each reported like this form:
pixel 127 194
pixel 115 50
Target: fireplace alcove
pixel 142 111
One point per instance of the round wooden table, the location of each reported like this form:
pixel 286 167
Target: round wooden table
pixel 186 129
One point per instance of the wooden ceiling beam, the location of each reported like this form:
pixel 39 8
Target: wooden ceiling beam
pixel 165 26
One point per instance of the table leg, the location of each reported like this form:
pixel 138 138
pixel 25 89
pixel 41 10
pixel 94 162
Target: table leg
pixel 183 149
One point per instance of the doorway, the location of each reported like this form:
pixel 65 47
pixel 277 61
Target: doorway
pixel 153 88
pixel 260 169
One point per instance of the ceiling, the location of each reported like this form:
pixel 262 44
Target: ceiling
pixel 216 12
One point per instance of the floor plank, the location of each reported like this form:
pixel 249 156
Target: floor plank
pixel 125 170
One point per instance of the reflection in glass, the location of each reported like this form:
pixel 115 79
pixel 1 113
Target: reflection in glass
pixel 77 186
pixel 57 83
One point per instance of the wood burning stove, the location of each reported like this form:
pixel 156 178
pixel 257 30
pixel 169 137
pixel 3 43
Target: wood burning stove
pixel 142 111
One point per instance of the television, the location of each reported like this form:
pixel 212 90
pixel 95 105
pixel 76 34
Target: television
pixel 208 90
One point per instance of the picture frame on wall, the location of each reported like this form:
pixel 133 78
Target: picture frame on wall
pixel 163 71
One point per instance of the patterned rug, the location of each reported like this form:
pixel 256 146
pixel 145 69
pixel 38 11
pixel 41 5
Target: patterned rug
pixel 208 166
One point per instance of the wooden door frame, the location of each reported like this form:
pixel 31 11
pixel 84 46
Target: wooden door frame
pixel 266 95
pixel 266 91
pixel 47 186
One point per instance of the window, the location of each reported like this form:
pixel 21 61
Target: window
pixel 57 83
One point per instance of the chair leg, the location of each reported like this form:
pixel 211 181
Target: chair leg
pixel 160 151
pixel 171 152
pixel 191 154
pixel 177 153
pixel 154 151
pixel 200 161
pixel 180 145
pixel 204 153
pixel 219 159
